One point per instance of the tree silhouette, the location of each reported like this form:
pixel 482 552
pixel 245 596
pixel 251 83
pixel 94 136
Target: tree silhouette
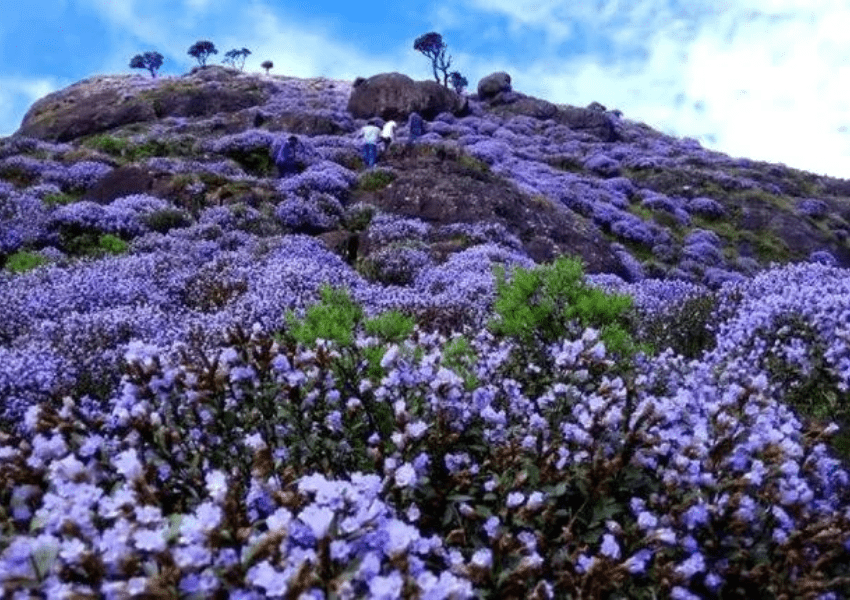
pixel 267 65
pixel 149 60
pixel 233 55
pixel 202 50
pixel 432 45
pixel 458 81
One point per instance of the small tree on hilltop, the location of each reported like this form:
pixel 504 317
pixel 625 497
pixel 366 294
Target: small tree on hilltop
pixel 458 81
pixel 149 60
pixel 202 50
pixel 432 45
pixel 267 65
pixel 233 55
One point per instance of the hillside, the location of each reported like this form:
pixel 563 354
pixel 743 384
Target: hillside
pixel 390 382
pixel 629 200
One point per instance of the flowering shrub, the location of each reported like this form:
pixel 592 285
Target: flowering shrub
pixel 395 264
pixel 324 176
pixel 294 465
pixel 812 207
pixel 317 213
pixel 386 228
pixel 706 207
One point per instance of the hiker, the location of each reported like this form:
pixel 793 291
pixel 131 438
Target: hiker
pixel 388 134
pixel 285 157
pixel 415 127
pixel 370 134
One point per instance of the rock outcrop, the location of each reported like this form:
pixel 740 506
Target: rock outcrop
pixel 102 103
pixel 393 96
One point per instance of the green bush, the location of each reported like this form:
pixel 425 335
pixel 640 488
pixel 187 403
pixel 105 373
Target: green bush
pixel 375 180
pixel 61 199
pixel 108 144
pixel 162 221
pixel 332 319
pixel 23 261
pixel 459 356
pixel 543 305
pixel 110 244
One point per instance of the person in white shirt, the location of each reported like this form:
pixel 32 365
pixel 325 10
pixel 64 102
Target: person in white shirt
pixel 388 134
pixel 370 134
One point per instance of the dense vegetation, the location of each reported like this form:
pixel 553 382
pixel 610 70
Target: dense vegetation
pixel 201 400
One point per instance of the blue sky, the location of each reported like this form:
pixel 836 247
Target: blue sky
pixel 765 79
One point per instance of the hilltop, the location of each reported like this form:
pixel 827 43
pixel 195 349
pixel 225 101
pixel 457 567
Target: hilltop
pixel 356 382
pixel 550 179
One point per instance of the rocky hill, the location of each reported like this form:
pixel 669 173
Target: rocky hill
pixel 496 166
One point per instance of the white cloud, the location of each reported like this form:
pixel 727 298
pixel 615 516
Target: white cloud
pixel 769 75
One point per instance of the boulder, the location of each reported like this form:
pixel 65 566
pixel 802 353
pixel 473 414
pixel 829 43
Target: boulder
pixel 596 123
pixel 492 84
pixel 120 182
pixel 81 110
pixel 102 103
pixel 393 96
pixel 513 103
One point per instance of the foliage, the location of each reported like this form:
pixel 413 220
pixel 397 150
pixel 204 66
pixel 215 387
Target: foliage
pixel 151 61
pixel 23 261
pixel 162 221
pixel 91 243
pixel 458 81
pixel 110 244
pixel 267 64
pixel 542 305
pixel 432 45
pixel 460 357
pixel 61 199
pixel 684 326
pixel 332 319
pixel 375 179
pixel 235 55
pixel 201 50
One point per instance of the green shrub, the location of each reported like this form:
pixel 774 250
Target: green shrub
pixel 358 216
pixel 162 221
pixel 110 244
pixel 23 261
pixel 375 180
pixel 459 356
pixel 61 199
pixel 542 305
pixel 108 144
pixel 256 161
pixel 332 319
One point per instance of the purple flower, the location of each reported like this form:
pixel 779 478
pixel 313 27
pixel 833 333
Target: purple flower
pixel 694 564
pixel 695 515
pixel 610 547
pixel 636 564
pixel 405 475
pixel 317 518
pixel 265 576
pixel 386 587
pixel 515 499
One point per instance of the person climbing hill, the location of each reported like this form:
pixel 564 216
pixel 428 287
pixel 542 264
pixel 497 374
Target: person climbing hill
pixel 370 134
pixel 415 128
pixel 286 155
pixel 388 134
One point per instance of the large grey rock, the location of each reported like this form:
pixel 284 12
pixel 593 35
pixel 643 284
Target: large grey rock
pixel 102 103
pixel 394 96
pixel 493 84
pixel 596 123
